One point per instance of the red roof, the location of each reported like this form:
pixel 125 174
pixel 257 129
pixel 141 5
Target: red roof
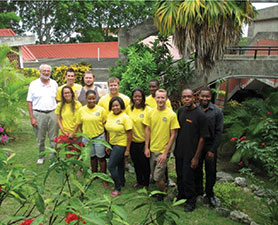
pixel 72 50
pixel 26 54
pixel 7 32
pixel 76 50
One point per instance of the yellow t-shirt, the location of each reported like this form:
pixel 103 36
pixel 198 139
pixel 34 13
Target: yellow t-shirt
pixel 138 129
pixel 104 101
pixel 92 120
pixel 150 101
pixel 68 117
pixel 161 123
pixel 75 87
pixel 117 125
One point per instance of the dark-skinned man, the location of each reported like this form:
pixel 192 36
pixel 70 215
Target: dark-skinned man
pixel 189 145
pixel 209 154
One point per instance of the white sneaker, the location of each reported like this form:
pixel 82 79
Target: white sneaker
pixel 40 161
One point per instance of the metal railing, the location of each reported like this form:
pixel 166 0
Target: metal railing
pixel 242 49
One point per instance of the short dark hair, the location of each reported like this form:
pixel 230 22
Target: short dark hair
pixel 143 98
pixel 188 89
pixel 205 89
pixel 154 80
pixel 119 99
pixel 90 92
pixel 70 70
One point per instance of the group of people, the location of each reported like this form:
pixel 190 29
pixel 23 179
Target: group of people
pixel 143 127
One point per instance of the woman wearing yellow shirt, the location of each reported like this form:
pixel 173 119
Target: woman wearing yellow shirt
pixel 119 128
pixel 91 118
pixel 66 112
pixel 137 112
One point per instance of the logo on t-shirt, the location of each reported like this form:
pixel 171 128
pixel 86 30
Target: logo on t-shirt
pixel 97 114
pixel 188 120
pixel 164 119
pixel 141 115
pixel 118 121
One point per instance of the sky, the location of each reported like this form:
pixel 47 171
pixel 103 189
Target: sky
pixel 257 6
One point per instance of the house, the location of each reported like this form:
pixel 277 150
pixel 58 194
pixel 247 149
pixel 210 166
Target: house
pixel 262 32
pixel 100 55
pixel 17 43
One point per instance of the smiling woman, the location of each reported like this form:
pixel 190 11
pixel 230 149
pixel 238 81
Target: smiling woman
pixel 119 128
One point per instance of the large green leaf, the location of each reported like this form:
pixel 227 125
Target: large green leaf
pixel 40 203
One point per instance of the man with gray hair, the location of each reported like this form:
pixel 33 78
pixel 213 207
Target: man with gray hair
pixel 41 100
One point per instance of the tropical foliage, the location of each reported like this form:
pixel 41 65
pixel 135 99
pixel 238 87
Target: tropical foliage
pixel 72 203
pixel 13 91
pixel 252 126
pixel 144 63
pixel 203 26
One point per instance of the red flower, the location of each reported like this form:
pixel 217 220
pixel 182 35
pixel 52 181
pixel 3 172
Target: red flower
pixel 0 189
pixel 74 139
pixel 240 163
pixel 27 222
pixel 262 118
pixel 263 144
pixel 242 138
pixel 233 139
pixel 268 113
pixel 71 217
pixel 81 144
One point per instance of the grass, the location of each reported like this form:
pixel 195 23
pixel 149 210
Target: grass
pixel 26 153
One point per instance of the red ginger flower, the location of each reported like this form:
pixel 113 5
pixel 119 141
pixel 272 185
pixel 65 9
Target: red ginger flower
pixel 242 138
pixel 263 144
pixel 268 113
pixel 262 118
pixel 233 139
pixel 71 217
pixel 240 163
pixel 27 222
pixel 0 189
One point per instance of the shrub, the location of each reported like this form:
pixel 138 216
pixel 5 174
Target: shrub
pixel 226 192
pixel 252 126
pixel 58 72
pixel 31 72
pixel 143 63
pixel 13 91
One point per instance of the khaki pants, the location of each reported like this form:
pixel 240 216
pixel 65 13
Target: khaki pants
pixel 47 123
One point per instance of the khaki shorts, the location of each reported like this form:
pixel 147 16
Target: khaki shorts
pixel 157 170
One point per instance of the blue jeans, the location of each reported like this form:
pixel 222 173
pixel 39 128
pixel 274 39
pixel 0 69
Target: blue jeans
pixel 116 166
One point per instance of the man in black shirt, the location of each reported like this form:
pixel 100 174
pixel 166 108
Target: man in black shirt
pixel 189 144
pixel 209 154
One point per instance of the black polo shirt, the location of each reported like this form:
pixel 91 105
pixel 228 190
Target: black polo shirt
pixel 193 125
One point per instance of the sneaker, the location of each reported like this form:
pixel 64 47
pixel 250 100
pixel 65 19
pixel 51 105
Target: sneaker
pixel 171 183
pixel 40 161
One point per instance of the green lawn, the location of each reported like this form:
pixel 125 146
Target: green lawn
pixel 26 154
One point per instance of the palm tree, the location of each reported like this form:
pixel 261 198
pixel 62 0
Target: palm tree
pixel 204 26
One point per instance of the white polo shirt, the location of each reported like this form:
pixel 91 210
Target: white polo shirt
pixel 43 97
